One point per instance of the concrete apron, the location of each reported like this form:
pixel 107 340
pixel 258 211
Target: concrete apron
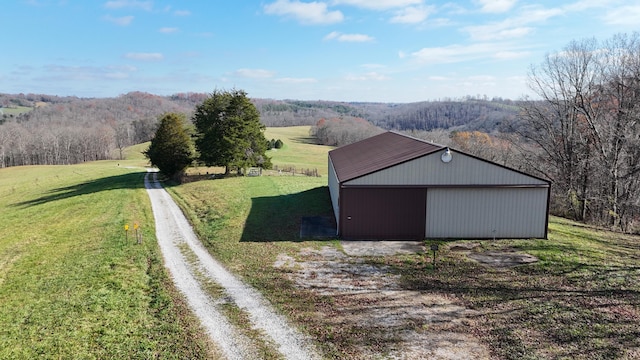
pixel 381 248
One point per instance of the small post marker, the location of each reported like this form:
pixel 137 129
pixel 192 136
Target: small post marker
pixel 434 248
pixel 126 232
pixel 138 236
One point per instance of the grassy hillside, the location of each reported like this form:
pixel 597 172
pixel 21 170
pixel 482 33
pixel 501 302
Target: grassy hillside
pixel 72 285
pixel 299 150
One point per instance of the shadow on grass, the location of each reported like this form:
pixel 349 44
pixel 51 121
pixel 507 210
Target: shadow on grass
pixel 310 140
pixel 124 181
pixel 278 218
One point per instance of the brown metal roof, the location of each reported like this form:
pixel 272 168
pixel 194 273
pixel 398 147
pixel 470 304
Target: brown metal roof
pixel 377 153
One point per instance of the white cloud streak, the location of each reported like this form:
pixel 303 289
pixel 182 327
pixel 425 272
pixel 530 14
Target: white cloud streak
pixel 514 27
pixel 142 56
pixel 370 76
pixel 182 13
pixel 120 4
pixel 254 73
pixel 496 6
pixel 378 4
pixel 313 13
pixel 625 15
pixel 463 53
pixel 296 80
pixel 412 14
pixel 120 21
pixel 348 37
pixel 168 30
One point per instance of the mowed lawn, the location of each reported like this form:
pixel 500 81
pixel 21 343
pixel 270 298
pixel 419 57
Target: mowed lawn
pixel 73 284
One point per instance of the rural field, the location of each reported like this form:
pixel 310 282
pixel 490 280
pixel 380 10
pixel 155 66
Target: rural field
pixel 74 284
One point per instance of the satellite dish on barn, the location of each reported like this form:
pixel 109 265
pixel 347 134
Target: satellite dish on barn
pixel 446 156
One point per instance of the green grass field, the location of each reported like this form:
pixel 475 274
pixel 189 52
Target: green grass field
pixel 299 150
pixel 72 286
pixel 15 110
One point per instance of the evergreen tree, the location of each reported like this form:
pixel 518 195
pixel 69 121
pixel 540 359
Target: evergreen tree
pixel 171 149
pixel 229 132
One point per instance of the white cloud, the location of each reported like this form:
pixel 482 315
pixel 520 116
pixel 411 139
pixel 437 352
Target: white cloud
pixel 496 6
pixel 373 66
pixel 144 56
pixel 483 78
pixel 625 15
pixel 533 14
pixel 456 53
pixel 168 30
pixel 514 27
pixel 119 4
pixel 498 31
pixel 182 13
pixel 378 4
pixel 296 80
pixel 412 15
pixel 348 37
pixel 254 73
pixel 368 76
pixel 511 55
pixel 306 13
pixel 120 21
pixel 438 78
pixel 61 73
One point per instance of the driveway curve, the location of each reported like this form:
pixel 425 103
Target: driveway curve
pixel 175 234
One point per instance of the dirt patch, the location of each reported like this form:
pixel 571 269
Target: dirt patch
pixel 381 248
pixel 499 259
pixel 502 258
pixel 397 323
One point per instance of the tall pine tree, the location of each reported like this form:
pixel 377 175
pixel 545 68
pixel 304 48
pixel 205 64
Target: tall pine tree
pixel 229 132
pixel 171 148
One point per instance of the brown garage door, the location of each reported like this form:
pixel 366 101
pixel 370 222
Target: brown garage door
pixel 383 213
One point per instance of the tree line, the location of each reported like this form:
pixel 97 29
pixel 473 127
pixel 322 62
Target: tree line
pixel 586 129
pixel 68 130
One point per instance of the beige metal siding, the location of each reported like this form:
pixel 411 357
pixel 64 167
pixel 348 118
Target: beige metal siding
pixel 334 191
pixel 430 170
pixel 486 213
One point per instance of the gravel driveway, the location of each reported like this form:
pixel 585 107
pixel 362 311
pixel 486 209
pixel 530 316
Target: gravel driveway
pixel 177 239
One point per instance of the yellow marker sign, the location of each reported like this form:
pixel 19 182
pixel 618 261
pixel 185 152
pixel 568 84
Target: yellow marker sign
pixel 126 227
pixel 135 226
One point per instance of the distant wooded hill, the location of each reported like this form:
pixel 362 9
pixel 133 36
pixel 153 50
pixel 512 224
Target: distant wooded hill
pixel 37 129
pixel 462 114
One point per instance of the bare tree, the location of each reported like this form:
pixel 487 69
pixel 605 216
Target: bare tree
pixel 586 128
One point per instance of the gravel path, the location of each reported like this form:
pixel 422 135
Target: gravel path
pixel 174 232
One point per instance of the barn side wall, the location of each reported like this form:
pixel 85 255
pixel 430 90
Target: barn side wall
pixel 462 170
pixel 334 191
pixel 486 212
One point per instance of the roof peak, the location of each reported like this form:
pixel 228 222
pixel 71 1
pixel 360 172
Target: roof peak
pixel 417 139
pixel 378 152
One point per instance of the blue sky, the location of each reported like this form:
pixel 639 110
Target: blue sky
pixel 343 50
